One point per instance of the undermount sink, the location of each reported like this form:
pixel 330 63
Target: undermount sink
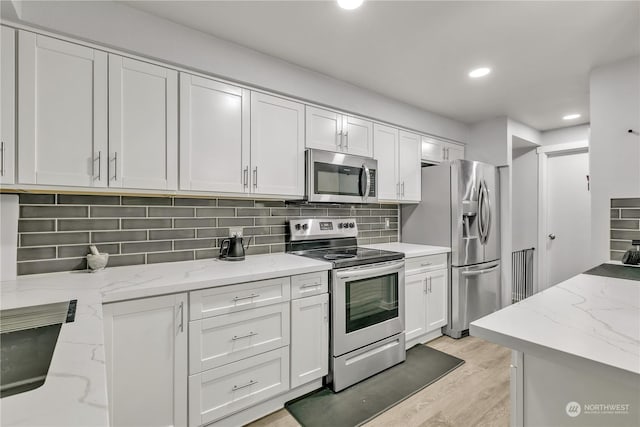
pixel 28 337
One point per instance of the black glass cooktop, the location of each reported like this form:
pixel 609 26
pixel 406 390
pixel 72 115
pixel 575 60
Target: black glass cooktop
pixel 350 256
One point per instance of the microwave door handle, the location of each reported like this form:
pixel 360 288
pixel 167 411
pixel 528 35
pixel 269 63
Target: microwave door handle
pixel 367 187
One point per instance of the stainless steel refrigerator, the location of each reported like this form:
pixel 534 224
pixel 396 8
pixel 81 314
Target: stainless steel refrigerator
pixel 460 209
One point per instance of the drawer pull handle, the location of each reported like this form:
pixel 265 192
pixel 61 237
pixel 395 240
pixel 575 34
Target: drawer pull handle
pixel 238 387
pixel 248 297
pixel 310 285
pixel 239 337
pixel 425 264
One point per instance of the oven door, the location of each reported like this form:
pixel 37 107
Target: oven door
pixel 342 178
pixel 367 305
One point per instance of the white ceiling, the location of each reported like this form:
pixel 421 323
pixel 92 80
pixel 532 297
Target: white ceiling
pixel 420 52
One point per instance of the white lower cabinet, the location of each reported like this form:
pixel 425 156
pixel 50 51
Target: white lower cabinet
pixel 309 339
pixel 146 361
pixel 426 287
pixel 219 392
pixel 223 339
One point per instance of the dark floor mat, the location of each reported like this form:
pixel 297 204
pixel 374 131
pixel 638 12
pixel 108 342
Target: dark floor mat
pixel 616 271
pixel 365 400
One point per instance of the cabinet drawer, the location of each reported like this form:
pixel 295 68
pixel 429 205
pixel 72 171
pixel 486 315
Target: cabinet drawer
pixel 224 339
pixel 230 299
pixel 230 388
pixel 305 285
pixel 426 263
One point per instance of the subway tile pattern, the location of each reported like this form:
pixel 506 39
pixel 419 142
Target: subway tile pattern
pixel 625 226
pixel 55 230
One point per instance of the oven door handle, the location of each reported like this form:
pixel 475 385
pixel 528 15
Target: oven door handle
pixel 369 272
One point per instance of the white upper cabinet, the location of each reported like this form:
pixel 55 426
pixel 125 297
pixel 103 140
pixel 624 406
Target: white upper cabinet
pixel 7 121
pixel 409 170
pixel 357 136
pixel 143 125
pixel 277 146
pixel 432 150
pixel 454 152
pixel 386 153
pixel 62 112
pixel 214 136
pixel 333 131
pixel 324 129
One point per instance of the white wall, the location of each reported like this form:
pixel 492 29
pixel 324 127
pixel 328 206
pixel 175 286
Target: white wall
pixel 565 135
pixel 120 27
pixel 488 142
pixel 614 153
pixel 524 199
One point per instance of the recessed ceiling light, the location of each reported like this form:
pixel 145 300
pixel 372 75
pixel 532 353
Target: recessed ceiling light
pixel 479 72
pixel 571 116
pixel 350 4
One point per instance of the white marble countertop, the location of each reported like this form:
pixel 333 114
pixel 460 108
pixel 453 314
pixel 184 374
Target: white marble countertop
pixel 75 391
pixel 410 250
pixel 591 317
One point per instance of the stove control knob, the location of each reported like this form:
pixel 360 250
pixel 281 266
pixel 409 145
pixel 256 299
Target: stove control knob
pixel 339 225
pixel 351 225
pixel 298 227
pixel 345 225
pixel 305 226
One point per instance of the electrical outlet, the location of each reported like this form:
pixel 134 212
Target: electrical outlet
pixel 235 231
pixel 387 223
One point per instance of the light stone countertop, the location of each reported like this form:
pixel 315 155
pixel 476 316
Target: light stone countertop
pixel 594 318
pixel 75 391
pixel 410 250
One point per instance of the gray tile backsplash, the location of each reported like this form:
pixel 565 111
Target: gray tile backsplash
pixel 625 226
pixel 55 230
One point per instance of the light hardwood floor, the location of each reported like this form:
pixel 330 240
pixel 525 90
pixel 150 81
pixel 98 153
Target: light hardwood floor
pixel 475 394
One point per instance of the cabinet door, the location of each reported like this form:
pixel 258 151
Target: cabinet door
pixel 214 136
pixel 415 313
pixel 323 129
pixel 62 112
pixel 437 299
pixel 432 150
pixel 143 125
pixel 277 139
pixel 146 360
pixel 454 152
pixel 7 121
pixel 410 171
pixel 309 339
pixel 358 136
pixel 385 140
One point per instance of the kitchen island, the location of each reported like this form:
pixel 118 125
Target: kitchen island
pixel 576 353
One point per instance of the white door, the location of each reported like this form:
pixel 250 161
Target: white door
pixel 432 149
pixel 309 339
pixel 568 216
pixel 277 139
pixel 323 129
pixel 385 141
pixel 143 125
pixel 214 136
pixel 357 136
pixel 62 112
pixel 437 299
pixel 409 171
pixel 415 312
pixel 7 121
pixel 146 361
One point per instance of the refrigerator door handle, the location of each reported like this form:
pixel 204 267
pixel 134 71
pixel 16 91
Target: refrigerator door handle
pixel 487 220
pixel 478 272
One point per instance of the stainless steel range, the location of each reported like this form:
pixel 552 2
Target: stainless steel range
pixel 367 298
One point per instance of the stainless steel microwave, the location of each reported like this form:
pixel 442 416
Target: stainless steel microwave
pixel 340 178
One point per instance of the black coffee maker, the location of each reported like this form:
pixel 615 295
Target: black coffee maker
pixel 232 249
